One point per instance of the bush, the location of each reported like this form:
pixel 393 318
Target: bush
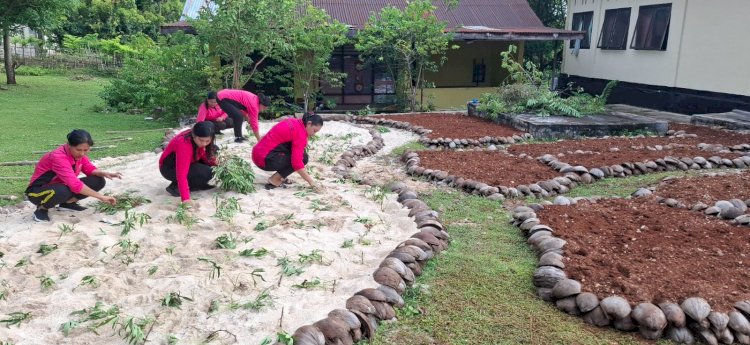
pixel 529 93
pixel 31 70
pixel 174 77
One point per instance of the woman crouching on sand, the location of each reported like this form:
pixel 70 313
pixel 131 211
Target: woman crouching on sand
pixel 188 160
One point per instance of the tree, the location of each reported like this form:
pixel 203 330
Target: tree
pixel 36 14
pixel 547 54
pixel 314 37
pixel 237 29
pixel 409 43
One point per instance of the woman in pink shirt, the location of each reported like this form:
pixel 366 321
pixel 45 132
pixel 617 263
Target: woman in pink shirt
pixel 55 180
pixel 282 149
pixel 241 104
pixel 210 111
pixel 188 160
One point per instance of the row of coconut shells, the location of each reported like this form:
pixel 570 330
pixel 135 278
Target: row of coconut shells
pixel 396 272
pixel 484 141
pixel 555 186
pixel 391 123
pixel 350 157
pixel 710 147
pixel 732 209
pixel 689 322
pixel 666 164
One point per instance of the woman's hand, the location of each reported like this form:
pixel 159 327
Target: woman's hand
pixel 111 175
pixel 108 199
pixel 318 188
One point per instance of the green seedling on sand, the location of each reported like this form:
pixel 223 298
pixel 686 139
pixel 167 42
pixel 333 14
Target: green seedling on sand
pixel 172 339
pixel 256 253
pixel 317 205
pixel 234 173
pixel 213 306
pixel 128 249
pixel 183 216
pixel 46 282
pixel 226 209
pixel 4 295
pixel 125 201
pixel 131 220
pixel 377 193
pixel 308 284
pixel 15 318
pixel 367 222
pixel 261 226
pixel 92 281
pixel 316 256
pixel 383 129
pixel 174 300
pixel 263 300
pixel 256 273
pixel 23 262
pixel 226 242
pixel 152 270
pixel 170 250
pixel 216 268
pixel 65 229
pixel 131 329
pixel 45 249
pixel 288 268
pixel 347 244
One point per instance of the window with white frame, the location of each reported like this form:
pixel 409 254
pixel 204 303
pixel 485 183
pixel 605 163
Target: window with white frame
pixel 614 34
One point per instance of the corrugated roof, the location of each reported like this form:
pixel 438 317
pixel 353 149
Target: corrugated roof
pixel 192 7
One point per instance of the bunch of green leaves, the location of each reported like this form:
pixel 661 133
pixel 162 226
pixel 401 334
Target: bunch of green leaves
pixel 315 256
pixel 46 282
pixel 288 268
pixel 261 301
pixel 257 253
pixel 309 284
pixel 183 216
pixel 127 250
pixel 133 219
pixel 45 249
pixel 125 201
pixel 226 209
pixel 235 174
pixel 316 205
pixel 89 280
pixel 94 317
pixel 65 229
pixel 226 241
pixel 15 318
pixel 174 300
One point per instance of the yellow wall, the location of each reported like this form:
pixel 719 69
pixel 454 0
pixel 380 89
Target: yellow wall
pixel 707 49
pixel 457 70
pixel 454 98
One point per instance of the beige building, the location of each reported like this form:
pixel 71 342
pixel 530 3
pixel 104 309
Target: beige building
pixel 683 55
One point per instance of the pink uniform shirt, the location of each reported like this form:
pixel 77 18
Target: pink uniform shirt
pixel 210 114
pixel 65 169
pixel 248 99
pixel 289 130
pixel 184 156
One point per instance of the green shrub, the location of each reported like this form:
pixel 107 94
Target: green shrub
pixel 31 70
pixel 174 77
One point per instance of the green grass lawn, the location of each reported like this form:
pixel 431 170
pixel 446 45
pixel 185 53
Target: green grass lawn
pixel 479 291
pixel 41 110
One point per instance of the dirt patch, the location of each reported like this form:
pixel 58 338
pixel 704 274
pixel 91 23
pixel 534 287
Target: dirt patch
pixel 494 168
pixel 712 135
pixel 647 252
pixel 455 126
pixel 707 190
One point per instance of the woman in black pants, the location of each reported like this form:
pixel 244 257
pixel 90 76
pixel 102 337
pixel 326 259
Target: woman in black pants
pixel 188 160
pixel 55 180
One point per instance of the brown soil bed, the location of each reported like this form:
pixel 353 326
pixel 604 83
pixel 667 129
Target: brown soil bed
pixel 455 126
pixel 631 156
pixel 647 252
pixel 713 136
pixel 494 168
pixel 707 190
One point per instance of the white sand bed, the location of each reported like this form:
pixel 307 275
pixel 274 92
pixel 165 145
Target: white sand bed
pixel 345 225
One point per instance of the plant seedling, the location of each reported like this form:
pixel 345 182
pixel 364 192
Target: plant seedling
pixel 317 205
pixel 234 173
pixel 97 315
pixel 15 318
pixel 152 270
pixel 174 300
pixel 183 216
pixel 226 242
pixel 46 282
pixel 45 249
pixel 125 201
pixel 308 284
pixel 4 295
pixel 261 226
pixel 377 193
pixel 316 256
pixel 170 250
pixel 133 330
pixel 23 262
pixel 216 268
pixel 213 306
pixel 127 250
pixel 90 281
pixel 256 273
pixel 288 268
pixel 131 220
pixel 257 253
pixel 347 244
pixel 263 299
pixel 284 338
pixel 172 339
pixel 226 209
pixel 367 222
pixel 383 129
pixel 65 229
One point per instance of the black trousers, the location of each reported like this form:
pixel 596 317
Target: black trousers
pixel 50 195
pixel 198 175
pixel 233 110
pixel 222 125
pixel 280 160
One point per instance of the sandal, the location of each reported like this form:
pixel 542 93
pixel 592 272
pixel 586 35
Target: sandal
pixel 270 186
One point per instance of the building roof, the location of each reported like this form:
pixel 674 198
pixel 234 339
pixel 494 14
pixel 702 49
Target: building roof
pixel 470 20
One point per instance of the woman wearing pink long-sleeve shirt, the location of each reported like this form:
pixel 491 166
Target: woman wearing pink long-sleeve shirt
pixel 282 149
pixel 240 105
pixel 55 180
pixel 210 111
pixel 188 160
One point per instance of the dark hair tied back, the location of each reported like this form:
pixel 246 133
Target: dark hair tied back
pixel 211 95
pixel 313 118
pixel 78 137
pixel 264 100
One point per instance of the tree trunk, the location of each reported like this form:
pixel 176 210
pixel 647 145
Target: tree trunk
pixel 10 72
pixel 236 74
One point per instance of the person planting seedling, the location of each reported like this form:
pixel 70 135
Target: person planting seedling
pixel 188 160
pixel 282 149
